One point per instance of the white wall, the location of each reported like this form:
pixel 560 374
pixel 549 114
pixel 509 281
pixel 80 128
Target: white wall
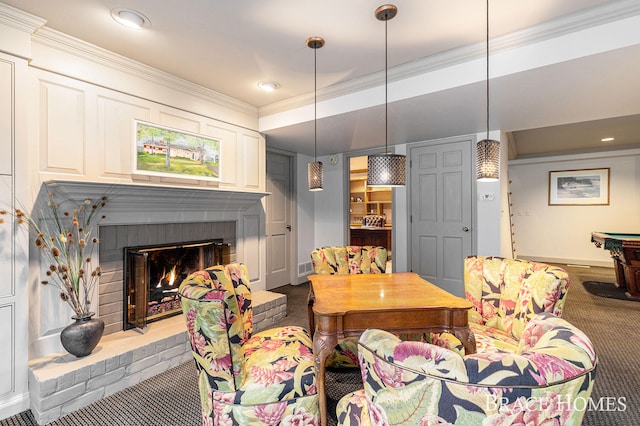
pixel 321 214
pixel 329 212
pixel 305 204
pixel 563 233
pixel 492 228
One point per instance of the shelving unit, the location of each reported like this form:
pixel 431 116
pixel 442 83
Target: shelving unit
pixel 365 200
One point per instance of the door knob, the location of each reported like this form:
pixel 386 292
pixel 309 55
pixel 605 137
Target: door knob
pixel 289 227
pixel 465 228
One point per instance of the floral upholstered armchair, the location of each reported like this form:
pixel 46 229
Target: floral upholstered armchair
pixel 349 260
pixel 337 260
pixel 267 378
pixel 506 294
pixel 547 380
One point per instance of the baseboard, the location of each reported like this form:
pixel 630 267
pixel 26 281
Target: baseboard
pixel 14 405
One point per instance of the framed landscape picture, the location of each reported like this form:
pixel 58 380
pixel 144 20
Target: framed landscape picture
pixel 163 151
pixel 579 187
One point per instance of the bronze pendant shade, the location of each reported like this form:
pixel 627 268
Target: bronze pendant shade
pixel 315 172
pixel 386 169
pixel 488 150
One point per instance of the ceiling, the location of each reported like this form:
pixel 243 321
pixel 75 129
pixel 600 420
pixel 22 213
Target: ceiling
pixel 564 105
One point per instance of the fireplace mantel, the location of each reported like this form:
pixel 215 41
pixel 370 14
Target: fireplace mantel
pixel 132 198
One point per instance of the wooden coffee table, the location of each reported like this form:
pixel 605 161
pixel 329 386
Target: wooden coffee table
pixel 401 303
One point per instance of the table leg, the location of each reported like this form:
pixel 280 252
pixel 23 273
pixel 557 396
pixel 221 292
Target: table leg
pixel 632 279
pixel 465 335
pixel 619 268
pixel 321 352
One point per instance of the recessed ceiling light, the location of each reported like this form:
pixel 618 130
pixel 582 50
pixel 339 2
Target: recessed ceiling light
pixel 607 139
pixel 268 86
pixel 130 18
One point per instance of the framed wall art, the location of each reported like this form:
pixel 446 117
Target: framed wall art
pixel 164 151
pixel 579 187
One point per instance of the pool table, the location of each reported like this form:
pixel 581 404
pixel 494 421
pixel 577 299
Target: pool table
pixel 625 251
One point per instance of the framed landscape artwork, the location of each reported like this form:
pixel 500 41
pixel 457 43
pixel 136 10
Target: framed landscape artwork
pixel 579 187
pixel 164 151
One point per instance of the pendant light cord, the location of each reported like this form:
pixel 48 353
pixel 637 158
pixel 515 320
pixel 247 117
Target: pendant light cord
pixel 487 82
pixel 315 104
pixel 386 88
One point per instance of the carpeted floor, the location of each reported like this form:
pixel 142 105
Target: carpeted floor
pixel 612 326
pixel 171 398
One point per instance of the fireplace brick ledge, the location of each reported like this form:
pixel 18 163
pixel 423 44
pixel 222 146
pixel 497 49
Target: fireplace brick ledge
pixel 61 383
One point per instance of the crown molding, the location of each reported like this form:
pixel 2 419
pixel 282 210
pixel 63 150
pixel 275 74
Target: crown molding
pixel 625 151
pixel 590 18
pixel 20 20
pixel 89 52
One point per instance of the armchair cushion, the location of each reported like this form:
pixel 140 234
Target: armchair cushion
pixel 420 383
pixel 266 378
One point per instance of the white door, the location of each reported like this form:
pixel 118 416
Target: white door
pixel 441 212
pixel 278 220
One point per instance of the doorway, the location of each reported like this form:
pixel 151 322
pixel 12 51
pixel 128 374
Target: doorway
pixel 370 208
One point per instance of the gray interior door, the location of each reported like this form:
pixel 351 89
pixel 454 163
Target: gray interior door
pixel 441 212
pixel 278 220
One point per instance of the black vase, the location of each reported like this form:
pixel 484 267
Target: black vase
pixel 81 337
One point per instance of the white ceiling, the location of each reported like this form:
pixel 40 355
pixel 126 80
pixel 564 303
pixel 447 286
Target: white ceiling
pixel 229 46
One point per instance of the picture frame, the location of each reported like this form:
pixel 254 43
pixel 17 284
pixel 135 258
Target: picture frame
pixel 584 187
pixel 165 151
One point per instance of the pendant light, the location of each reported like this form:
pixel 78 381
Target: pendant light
pixel 386 169
pixel 315 169
pixel 488 150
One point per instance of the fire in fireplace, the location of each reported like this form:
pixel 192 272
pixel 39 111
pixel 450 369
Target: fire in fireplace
pixel 154 273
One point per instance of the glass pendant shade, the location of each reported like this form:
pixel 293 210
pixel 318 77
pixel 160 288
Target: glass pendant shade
pixel 488 152
pixel 315 176
pixel 386 170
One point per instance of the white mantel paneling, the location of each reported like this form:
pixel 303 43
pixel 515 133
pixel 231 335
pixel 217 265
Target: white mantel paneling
pixel 127 200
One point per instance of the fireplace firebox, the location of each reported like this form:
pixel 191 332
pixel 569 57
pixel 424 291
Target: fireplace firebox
pixel 154 273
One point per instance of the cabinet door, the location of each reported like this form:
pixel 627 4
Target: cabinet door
pixel 6 116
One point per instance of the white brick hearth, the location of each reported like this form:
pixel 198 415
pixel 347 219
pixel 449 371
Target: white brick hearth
pixel 61 383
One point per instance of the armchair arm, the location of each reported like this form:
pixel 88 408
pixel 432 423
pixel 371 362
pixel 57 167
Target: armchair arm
pixel 382 352
pixel 209 342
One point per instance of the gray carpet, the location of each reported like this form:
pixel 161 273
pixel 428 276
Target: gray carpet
pixel 612 326
pixel 171 398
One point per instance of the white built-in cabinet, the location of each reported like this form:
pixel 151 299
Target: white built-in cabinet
pixel 14 308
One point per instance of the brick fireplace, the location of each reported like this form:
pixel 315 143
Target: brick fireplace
pixel 142 215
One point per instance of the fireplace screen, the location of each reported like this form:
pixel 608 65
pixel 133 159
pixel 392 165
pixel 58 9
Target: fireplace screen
pixel 153 275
